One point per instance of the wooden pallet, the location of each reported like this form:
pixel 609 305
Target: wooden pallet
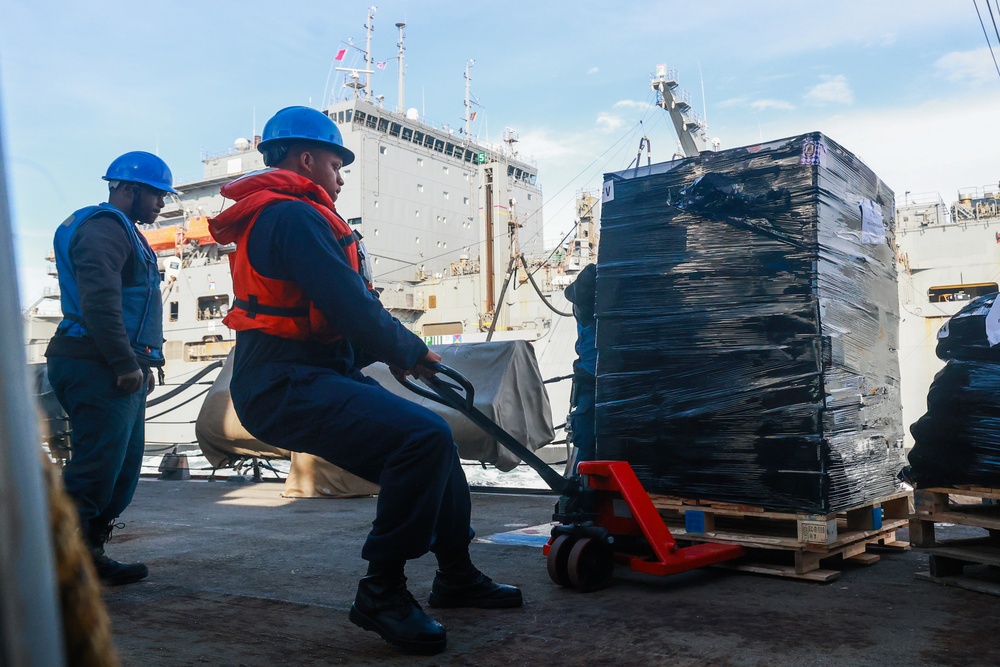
pixel 962 505
pixel 789 544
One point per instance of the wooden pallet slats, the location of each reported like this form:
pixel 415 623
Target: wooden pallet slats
pixel 803 539
pixel 962 505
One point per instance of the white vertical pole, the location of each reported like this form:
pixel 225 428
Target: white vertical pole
pixel 400 108
pixel 30 626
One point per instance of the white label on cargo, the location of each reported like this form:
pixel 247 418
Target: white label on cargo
pixel 813 152
pixel 872 225
pixel 608 192
pixel 992 323
pixel 818 532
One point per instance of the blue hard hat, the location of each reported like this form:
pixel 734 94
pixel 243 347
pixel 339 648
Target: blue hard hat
pixel 142 167
pixel 305 124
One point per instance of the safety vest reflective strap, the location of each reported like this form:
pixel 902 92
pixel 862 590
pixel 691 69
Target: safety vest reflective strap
pixel 253 308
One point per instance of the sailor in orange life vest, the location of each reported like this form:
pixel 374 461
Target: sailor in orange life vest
pixel 307 321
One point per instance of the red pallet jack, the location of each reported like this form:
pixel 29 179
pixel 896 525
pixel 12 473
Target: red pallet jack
pixel 604 515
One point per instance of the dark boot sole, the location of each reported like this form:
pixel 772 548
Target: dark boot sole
pixel 365 622
pixel 445 602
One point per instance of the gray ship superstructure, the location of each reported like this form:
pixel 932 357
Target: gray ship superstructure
pixel 946 256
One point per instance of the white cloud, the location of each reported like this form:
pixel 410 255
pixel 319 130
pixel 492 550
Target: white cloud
pixel 780 105
pixel 972 67
pixel 609 123
pixel 632 104
pixel 833 90
pixel 731 102
pixel 593 70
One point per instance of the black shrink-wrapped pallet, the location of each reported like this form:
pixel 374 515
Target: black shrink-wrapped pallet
pixel 747 327
pixel 957 441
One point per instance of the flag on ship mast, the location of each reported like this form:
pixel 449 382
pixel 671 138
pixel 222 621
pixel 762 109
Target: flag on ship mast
pixel 340 54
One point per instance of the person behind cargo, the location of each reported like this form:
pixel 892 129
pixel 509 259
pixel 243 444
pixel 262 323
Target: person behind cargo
pixel 581 293
pixel 307 320
pixel 99 361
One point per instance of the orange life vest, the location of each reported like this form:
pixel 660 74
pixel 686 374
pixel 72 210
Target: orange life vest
pixel 277 307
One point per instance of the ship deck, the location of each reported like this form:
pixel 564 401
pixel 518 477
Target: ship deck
pixel 240 576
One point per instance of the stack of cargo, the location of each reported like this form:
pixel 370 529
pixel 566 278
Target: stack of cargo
pixel 957 441
pixel 747 327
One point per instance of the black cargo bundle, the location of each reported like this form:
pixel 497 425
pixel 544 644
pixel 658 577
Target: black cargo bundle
pixel 747 327
pixel 957 441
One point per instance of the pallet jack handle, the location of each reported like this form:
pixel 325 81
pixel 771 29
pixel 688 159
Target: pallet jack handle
pixel 461 397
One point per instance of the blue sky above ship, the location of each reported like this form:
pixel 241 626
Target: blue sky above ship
pixel 909 86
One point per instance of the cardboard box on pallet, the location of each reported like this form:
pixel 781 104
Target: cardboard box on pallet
pixel 747 327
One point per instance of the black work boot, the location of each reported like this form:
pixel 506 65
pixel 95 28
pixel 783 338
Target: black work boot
pixel 384 605
pixel 109 571
pixel 459 583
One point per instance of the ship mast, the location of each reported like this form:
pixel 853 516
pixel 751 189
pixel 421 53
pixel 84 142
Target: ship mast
pixel 400 108
pixel 468 104
pixel 353 73
pixel 677 102
pixel 368 52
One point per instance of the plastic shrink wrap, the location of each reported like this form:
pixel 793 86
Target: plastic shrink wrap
pixel 957 441
pixel 747 327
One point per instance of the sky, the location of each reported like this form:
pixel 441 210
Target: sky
pixel 909 86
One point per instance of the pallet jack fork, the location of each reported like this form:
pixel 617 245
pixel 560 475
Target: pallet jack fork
pixel 603 514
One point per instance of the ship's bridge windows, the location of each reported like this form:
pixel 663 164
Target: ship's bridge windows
pixel 418 137
pixel 428 141
pixel 439 145
pixel 510 172
pixel 394 129
pixel 372 122
pixel 213 307
pixel 470 156
pixel 174 310
pixel 359 118
pixel 449 149
pixel 383 125
pixel 407 134
pixel 964 292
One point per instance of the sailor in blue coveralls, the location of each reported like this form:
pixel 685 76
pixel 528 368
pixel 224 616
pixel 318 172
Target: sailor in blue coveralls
pixel 99 361
pixel 307 321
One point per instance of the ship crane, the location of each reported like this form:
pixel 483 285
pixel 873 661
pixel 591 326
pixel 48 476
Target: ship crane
pixel 676 101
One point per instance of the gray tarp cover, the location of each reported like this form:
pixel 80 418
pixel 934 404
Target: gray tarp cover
pixel 509 391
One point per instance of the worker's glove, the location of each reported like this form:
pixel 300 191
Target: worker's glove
pixel 131 382
pixel 150 383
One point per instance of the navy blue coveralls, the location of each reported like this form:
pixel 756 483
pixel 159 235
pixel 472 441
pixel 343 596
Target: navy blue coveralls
pixel 310 397
pixel 581 293
pixel 112 326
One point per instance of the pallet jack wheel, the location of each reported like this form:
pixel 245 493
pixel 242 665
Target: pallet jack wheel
pixel 591 564
pixel 558 560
